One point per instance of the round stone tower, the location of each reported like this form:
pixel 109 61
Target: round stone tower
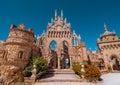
pixel 18 49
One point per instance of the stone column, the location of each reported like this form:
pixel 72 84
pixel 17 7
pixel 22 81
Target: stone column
pixel 58 62
pixel 70 62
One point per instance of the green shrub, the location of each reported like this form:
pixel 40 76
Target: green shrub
pixel 77 69
pixel 109 68
pixel 41 66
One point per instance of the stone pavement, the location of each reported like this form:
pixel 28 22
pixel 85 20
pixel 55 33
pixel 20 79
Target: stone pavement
pixel 108 79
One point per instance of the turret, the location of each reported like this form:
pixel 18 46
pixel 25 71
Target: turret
pixel 18 49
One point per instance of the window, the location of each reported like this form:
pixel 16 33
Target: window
pixel 53 45
pixel 20 55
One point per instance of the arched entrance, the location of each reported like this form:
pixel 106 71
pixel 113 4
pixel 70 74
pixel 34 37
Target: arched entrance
pixel 53 63
pixel 101 64
pixel 65 60
pixel 115 62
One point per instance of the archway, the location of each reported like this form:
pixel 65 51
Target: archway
pixel 115 62
pixel 65 60
pixel 101 64
pixel 53 63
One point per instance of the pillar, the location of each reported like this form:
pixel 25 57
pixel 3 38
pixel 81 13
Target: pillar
pixel 70 62
pixel 58 62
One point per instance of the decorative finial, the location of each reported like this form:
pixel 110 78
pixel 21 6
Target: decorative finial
pixel 65 20
pixel 55 14
pixel 105 27
pixel 62 14
pixel 79 37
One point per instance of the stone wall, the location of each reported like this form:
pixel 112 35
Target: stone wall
pixel 18 50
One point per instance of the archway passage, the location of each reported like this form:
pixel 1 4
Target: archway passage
pixel 65 60
pixel 115 62
pixel 101 64
pixel 53 63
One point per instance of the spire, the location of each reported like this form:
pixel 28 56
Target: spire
pixel 105 27
pixel 62 14
pixel 65 20
pixel 79 37
pixel 55 14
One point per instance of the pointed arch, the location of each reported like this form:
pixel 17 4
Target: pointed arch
pixel 53 45
pixel 65 43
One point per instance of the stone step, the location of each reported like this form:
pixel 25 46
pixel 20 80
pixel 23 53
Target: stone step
pixel 60 75
pixel 60 71
pixel 58 80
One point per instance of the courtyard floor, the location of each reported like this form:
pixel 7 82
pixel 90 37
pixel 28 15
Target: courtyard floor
pixel 108 79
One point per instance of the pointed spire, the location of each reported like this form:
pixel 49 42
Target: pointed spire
pixel 79 37
pixel 65 20
pixel 73 31
pixel 38 36
pixel 55 13
pixel 105 27
pixel 62 14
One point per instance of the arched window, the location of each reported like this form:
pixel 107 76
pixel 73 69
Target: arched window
pixel 74 41
pixel 65 43
pixel 20 55
pixel 53 45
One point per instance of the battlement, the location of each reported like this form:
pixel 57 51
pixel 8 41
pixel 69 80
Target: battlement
pixel 20 35
pixel 21 27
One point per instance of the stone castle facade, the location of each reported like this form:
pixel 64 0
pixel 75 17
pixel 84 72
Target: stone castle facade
pixel 59 45
pixel 68 45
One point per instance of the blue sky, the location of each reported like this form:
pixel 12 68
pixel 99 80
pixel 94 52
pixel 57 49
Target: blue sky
pixel 86 16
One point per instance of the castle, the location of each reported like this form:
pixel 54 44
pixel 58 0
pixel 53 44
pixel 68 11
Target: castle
pixel 61 47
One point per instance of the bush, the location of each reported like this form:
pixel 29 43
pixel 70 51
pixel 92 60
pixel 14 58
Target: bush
pixel 109 68
pixel 41 66
pixel 77 69
pixel 91 73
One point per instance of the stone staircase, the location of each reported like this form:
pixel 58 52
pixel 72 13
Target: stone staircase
pixel 60 75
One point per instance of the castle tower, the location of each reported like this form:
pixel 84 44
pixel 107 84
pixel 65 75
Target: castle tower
pixel 18 49
pixel 109 45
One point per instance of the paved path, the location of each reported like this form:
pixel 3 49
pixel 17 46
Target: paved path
pixel 108 79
